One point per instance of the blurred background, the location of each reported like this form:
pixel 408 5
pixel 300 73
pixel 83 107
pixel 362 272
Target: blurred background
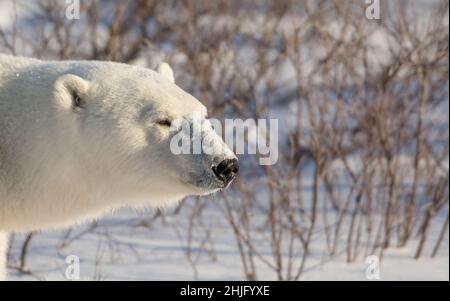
pixel 361 184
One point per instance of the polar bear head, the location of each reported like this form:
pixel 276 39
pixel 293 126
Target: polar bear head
pixel 118 124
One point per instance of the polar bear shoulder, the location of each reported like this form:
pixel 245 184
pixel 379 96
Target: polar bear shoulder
pixel 10 64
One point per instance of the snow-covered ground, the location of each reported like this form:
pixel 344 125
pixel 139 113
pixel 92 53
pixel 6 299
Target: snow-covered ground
pixel 122 247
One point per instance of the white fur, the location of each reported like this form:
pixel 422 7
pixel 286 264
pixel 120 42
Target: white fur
pixel 61 164
pixel 164 69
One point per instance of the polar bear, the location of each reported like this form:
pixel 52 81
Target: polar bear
pixel 81 138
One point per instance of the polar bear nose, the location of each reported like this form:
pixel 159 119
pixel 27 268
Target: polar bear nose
pixel 226 170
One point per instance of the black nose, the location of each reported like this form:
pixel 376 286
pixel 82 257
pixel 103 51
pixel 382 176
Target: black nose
pixel 226 170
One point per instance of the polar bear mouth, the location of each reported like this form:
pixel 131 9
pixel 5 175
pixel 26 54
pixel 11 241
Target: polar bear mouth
pixel 204 185
pixel 202 190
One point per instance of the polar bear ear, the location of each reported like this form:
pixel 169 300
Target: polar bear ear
pixel 70 91
pixel 164 69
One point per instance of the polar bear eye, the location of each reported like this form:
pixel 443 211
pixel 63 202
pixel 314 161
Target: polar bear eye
pixel 78 101
pixel 164 122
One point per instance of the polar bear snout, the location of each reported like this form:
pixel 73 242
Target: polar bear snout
pixel 226 170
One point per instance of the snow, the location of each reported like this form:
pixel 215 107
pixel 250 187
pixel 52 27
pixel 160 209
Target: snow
pixel 121 247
